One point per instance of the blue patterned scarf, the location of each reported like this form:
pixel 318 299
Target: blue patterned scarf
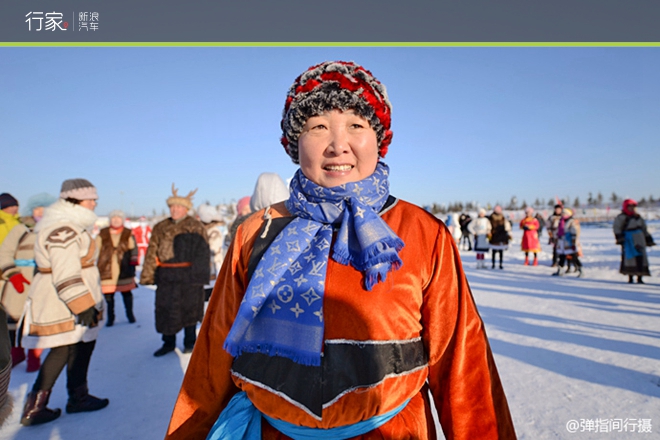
pixel 282 310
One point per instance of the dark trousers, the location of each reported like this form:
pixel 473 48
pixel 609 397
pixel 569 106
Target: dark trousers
pixel 76 358
pixel 189 338
pixel 466 237
pixel 497 251
pixel 127 297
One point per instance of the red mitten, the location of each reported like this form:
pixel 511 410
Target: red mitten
pixel 17 281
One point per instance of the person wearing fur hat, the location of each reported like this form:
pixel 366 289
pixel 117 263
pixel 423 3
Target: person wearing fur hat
pixel 17 266
pixel 177 261
pixel 568 242
pixel 342 312
pixel 64 308
pixel 500 234
pixel 118 256
pixel 530 239
pixel 632 235
pixel 481 229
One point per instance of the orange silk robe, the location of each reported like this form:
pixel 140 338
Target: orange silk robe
pixel 427 297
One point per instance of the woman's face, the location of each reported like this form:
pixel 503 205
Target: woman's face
pixel 88 203
pixel 116 222
pixel 336 148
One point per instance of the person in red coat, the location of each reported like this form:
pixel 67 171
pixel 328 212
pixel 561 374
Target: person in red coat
pixel 530 239
pixel 142 235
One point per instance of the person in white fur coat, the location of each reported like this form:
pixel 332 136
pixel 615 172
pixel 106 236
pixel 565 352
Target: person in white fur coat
pixel 481 228
pixel 64 308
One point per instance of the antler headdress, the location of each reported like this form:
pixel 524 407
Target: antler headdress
pixel 176 199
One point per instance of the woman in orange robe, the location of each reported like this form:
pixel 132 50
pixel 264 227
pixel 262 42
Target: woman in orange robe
pixel 342 312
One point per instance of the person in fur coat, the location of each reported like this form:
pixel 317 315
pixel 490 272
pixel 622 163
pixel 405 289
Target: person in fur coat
pixel 530 239
pixel 178 262
pixel 481 229
pixel 500 234
pixel 632 235
pixel 17 266
pixel 118 257
pixel 342 312
pixel 64 308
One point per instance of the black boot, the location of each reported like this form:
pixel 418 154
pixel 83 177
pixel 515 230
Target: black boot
pixel 630 279
pixel 169 342
pixel 35 411
pixel 639 280
pixel 81 401
pixel 110 300
pixel 128 304
pixel 162 351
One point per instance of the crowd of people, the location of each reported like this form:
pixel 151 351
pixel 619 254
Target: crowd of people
pixel 493 233
pixel 313 282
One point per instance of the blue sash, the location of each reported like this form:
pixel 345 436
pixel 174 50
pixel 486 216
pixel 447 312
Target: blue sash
pixel 25 263
pixel 240 420
pixel 629 249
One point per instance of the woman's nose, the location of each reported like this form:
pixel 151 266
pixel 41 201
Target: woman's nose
pixel 338 142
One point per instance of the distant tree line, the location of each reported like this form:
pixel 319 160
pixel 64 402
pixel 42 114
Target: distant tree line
pixel 592 202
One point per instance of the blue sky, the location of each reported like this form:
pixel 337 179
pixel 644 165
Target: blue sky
pixel 470 124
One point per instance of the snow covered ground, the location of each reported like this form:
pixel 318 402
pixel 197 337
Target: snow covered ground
pixel 567 349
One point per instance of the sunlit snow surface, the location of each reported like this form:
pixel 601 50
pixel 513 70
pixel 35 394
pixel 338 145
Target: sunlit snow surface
pixel 567 349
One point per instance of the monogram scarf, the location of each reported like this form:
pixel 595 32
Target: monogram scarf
pixel 282 310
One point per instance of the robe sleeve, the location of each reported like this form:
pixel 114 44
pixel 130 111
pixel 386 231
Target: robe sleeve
pixel 463 379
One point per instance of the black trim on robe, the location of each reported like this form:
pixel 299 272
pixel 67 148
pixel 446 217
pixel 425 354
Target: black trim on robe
pixel 314 387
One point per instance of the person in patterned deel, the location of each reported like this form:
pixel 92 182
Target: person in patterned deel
pixel 632 235
pixel 342 312
pixel 65 307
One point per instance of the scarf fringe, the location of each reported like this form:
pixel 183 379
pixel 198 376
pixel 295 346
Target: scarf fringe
pixel 310 360
pixel 379 272
pixel 381 252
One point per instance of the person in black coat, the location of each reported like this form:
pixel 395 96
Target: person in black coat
pixel 177 261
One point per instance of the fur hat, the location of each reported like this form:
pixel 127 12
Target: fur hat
pixel 176 199
pixel 38 201
pixel 7 201
pixel 336 85
pixel 117 213
pixel 482 211
pixel 79 189
pixel 567 212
